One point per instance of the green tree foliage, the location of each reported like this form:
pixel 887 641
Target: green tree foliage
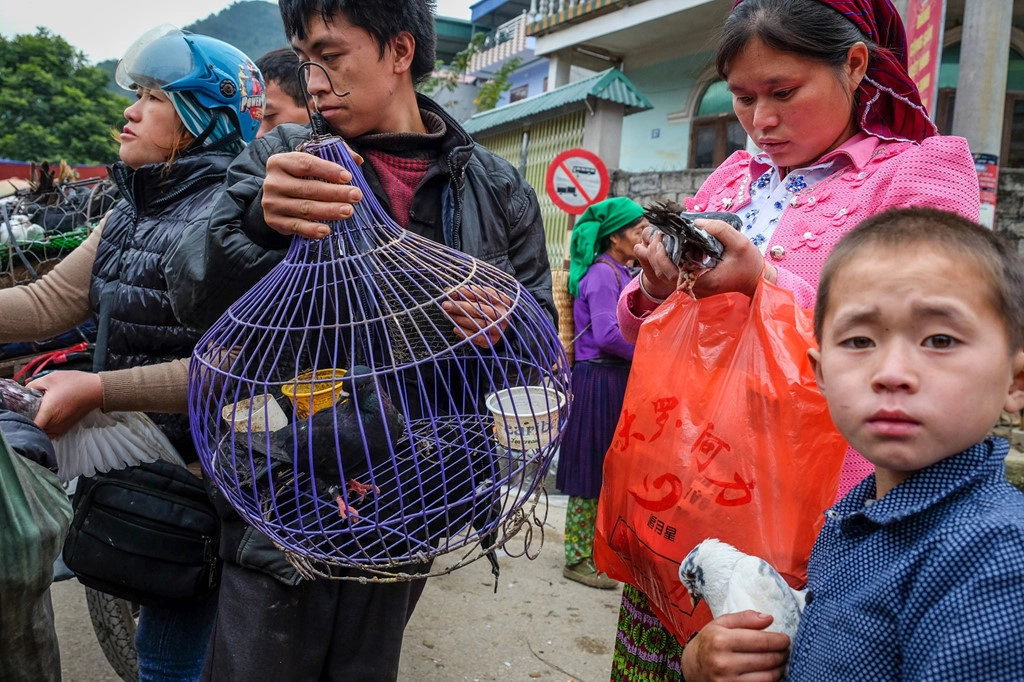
pixel 446 76
pixel 53 104
pixel 490 92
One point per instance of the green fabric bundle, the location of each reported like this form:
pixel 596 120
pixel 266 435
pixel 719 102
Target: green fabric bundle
pixel 598 221
pixel 34 517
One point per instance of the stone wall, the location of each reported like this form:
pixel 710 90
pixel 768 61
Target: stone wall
pixel 676 185
pixel 1010 205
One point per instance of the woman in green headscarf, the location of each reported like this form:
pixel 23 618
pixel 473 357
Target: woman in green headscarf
pixel 601 252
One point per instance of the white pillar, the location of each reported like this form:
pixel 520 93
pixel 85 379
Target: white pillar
pixel 559 64
pixel 602 132
pixel 981 88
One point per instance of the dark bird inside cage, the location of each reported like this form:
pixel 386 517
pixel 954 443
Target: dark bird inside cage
pixel 339 446
pixel 689 247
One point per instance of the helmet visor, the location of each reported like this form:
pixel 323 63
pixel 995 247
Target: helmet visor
pixel 161 56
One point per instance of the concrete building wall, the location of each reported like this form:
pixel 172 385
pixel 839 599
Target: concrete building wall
pixel 531 75
pixel 659 139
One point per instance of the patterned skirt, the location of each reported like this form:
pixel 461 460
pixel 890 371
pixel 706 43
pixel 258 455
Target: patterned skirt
pixel 598 390
pixel 580 527
pixel 645 651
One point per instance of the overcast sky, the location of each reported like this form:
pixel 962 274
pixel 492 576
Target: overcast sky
pixel 103 29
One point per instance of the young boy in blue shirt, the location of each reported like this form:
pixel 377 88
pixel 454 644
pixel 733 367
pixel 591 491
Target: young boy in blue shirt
pixel 918 572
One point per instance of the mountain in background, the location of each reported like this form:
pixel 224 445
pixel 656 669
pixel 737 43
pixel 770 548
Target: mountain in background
pixel 253 26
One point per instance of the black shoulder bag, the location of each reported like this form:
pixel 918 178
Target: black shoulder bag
pixel 147 533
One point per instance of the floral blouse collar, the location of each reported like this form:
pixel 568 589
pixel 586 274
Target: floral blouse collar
pixel 858 151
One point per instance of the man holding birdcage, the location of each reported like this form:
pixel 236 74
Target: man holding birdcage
pixel 363 62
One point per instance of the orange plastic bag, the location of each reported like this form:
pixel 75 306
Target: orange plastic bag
pixel 723 434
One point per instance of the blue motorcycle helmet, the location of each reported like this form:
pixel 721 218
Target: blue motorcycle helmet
pixel 216 89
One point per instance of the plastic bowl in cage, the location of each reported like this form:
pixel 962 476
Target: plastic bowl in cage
pixel 259 413
pixel 525 417
pixel 313 391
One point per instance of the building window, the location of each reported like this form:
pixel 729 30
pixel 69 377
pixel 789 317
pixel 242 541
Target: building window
pixel 1012 153
pixel 715 132
pixel 516 94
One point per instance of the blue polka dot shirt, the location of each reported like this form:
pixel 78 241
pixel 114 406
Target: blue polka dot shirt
pixel 925 584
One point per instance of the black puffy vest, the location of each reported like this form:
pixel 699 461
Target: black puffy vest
pixel 138 234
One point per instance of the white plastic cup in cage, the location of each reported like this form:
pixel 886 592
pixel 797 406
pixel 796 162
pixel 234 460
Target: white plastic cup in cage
pixel 259 413
pixel 520 419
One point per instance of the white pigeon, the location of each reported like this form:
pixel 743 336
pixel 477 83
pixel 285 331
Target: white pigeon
pixel 101 441
pixel 730 581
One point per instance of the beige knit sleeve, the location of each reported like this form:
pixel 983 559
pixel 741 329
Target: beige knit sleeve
pixel 59 301
pixel 54 304
pixel 150 388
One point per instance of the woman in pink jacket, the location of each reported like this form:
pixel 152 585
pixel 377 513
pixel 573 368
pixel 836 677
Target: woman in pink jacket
pixel 821 88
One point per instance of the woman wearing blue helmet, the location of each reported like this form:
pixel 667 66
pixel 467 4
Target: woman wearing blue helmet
pixel 216 90
pixel 199 101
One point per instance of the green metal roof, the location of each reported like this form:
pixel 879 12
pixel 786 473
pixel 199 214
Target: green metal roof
pixel 452 35
pixel 611 85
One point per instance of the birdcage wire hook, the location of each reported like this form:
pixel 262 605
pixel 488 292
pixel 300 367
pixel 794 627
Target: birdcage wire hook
pixel 318 122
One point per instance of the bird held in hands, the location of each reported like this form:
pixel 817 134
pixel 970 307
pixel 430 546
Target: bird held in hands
pixel 693 250
pixel 689 247
pixel 731 581
pixel 101 441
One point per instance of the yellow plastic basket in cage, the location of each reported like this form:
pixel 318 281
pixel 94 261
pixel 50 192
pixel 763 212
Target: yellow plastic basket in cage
pixel 310 394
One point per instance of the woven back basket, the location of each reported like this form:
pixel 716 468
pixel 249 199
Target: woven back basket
pixel 563 304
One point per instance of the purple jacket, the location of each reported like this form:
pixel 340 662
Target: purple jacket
pixel 595 306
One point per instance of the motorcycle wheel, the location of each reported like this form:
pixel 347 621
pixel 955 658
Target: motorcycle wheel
pixel 114 620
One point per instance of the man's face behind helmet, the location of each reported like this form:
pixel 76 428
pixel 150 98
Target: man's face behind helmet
pixel 216 89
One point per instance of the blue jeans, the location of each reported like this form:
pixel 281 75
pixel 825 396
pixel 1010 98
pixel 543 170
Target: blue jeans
pixel 171 642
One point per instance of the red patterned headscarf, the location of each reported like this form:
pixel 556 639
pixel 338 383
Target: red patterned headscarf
pixel 890 103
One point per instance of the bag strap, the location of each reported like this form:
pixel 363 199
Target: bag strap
pixel 37 363
pixel 618 281
pixel 99 357
pixel 618 275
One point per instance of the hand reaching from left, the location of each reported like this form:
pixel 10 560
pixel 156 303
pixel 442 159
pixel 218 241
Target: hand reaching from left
pixel 67 397
pixel 474 309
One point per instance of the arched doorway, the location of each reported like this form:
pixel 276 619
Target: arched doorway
pixel 715 132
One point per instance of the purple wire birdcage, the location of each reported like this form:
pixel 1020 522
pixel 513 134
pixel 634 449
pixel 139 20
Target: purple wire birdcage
pixel 340 414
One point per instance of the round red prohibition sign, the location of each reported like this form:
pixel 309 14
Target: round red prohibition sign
pixel 576 179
